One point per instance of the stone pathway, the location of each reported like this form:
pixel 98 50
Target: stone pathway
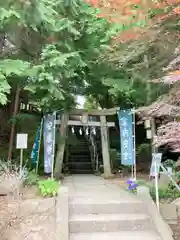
pixel 100 209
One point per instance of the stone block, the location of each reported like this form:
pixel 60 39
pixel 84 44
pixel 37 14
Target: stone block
pixel 62 214
pixel 169 212
pixel 107 207
pixel 125 235
pixel 109 223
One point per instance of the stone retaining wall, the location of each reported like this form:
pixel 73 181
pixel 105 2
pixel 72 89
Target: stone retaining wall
pixel 162 227
pixel 45 219
pixel 171 214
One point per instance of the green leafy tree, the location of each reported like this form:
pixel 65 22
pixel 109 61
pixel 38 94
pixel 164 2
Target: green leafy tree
pixel 90 103
pixel 55 43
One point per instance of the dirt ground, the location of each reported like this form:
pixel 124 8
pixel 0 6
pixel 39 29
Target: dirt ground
pixel 32 226
pixel 176 229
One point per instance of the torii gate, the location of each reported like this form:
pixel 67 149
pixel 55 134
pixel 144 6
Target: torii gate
pixel 103 124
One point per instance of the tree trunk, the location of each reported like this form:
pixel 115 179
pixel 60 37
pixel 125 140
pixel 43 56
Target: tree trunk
pixel 61 148
pixel 148 101
pixel 15 111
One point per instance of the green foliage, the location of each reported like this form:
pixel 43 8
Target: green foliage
pixel 178 175
pixel 166 193
pixel 114 157
pixel 10 67
pixel 55 46
pixel 48 187
pixel 56 53
pixel 31 179
pixel 144 148
pixel 169 163
pixel 142 182
pixel 90 103
pixel 4 89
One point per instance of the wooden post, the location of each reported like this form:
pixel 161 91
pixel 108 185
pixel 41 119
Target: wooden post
pixel 153 132
pixel 105 148
pixel 61 148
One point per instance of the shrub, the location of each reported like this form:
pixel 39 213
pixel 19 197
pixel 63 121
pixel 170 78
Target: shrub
pixel 178 176
pixel 10 179
pixel 31 179
pixel 48 187
pixel 166 193
pixel 170 163
pixel 144 148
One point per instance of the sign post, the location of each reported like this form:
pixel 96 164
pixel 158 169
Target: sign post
pixel 156 184
pixel 154 172
pixel 21 143
pixel 155 165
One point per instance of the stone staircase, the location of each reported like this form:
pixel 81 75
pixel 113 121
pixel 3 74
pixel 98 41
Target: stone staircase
pixel 108 216
pixel 80 158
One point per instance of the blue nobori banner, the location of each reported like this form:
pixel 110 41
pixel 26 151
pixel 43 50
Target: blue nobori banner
pixel 36 145
pixel 49 142
pixel 126 136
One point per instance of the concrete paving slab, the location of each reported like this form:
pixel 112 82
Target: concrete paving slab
pixel 93 186
pixel 138 235
pixel 100 209
pixel 109 223
pixel 105 206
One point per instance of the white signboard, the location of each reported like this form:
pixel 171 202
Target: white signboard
pixel 156 161
pixel 21 141
pixel 149 134
pixel 147 123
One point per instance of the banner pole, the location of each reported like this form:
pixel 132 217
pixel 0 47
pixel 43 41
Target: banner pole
pixel 134 138
pixel 21 162
pixel 156 185
pixel 54 129
pixel 37 164
pixel 132 171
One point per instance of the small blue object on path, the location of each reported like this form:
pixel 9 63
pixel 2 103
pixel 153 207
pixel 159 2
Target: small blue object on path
pixel 131 185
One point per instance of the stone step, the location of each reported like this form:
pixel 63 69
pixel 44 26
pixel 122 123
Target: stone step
pixel 80 151
pixel 80 158
pixel 81 171
pixel 80 145
pixel 106 207
pixel 137 235
pixel 109 223
pixel 78 161
pixel 80 148
pixel 83 162
pixel 80 165
pixel 80 154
